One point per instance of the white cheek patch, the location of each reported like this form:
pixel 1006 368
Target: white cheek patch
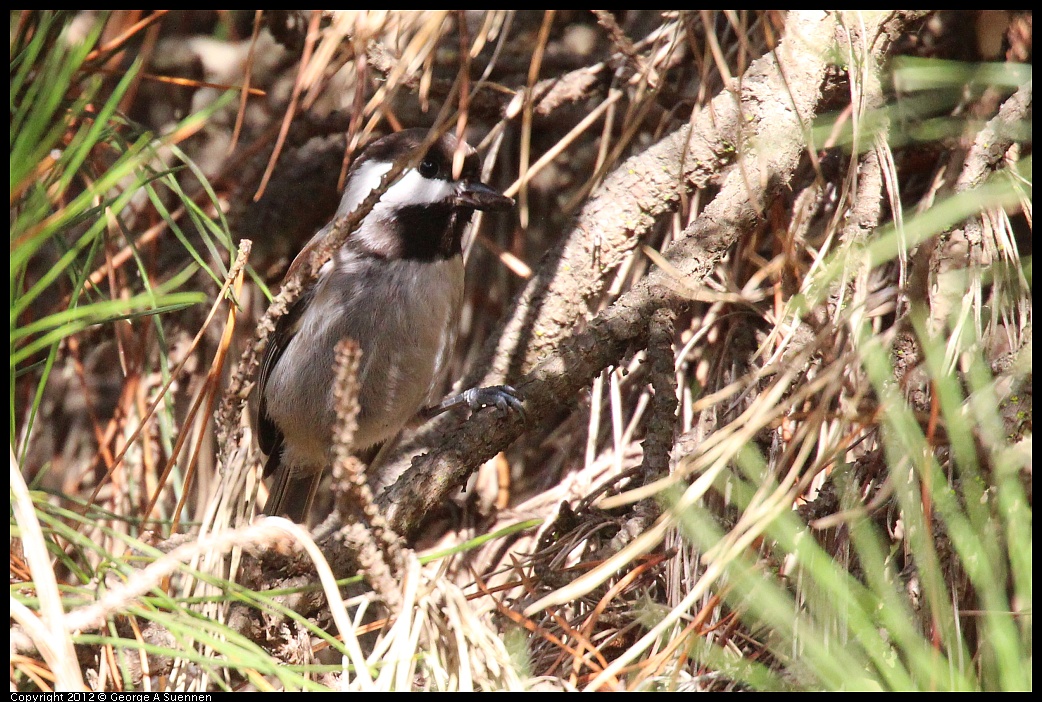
pixel 410 189
pixel 414 189
pixel 363 181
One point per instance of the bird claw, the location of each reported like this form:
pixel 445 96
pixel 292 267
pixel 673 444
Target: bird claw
pixel 504 398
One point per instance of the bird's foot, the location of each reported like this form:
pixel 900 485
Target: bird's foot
pixel 504 398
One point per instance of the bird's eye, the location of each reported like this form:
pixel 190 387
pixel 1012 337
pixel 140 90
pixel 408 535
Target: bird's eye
pixel 428 168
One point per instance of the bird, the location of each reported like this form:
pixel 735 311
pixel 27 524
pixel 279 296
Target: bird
pixel 396 288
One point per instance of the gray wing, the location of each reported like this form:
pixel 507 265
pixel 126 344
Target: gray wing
pixel 269 436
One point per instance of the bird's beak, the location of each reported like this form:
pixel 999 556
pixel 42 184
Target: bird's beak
pixel 482 197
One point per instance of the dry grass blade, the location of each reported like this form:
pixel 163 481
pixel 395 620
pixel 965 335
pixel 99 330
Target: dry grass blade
pixel 48 632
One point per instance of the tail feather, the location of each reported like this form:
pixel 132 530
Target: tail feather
pixel 291 494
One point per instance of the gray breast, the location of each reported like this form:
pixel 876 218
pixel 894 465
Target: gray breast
pixel 404 316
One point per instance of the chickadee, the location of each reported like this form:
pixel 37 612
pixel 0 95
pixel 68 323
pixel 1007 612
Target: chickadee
pixel 396 288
